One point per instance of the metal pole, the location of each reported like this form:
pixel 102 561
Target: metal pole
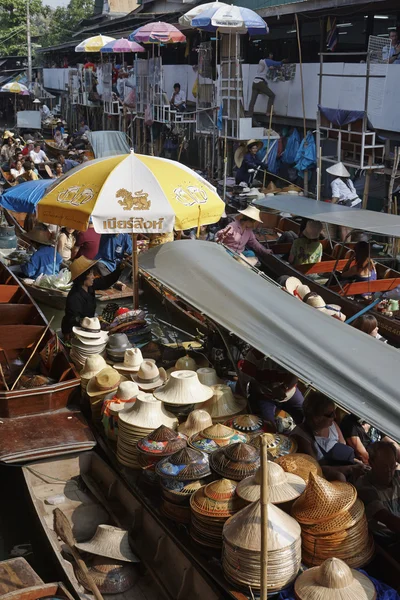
pixel 264 518
pixel 302 99
pixel 28 41
pixel 135 272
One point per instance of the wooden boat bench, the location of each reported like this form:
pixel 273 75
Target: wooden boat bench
pixel 366 287
pixel 11 293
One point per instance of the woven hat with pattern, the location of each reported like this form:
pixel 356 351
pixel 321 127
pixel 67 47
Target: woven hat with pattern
pixel 197 421
pixel 334 580
pixel 224 403
pixel 282 487
pixel 344 520
pixel 235 462
pixel 163 441
pixel 186 464
pixel 250 424
pixel 277 444
pixel 300 464
pixel 215 437
pixel 178 491
pixel 323 500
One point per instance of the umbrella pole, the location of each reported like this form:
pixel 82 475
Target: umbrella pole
pixel 55 251
pixel 264 518
pixel 135 272
pixel 269 138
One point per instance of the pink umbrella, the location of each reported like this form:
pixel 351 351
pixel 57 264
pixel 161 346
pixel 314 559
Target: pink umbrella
pixel 122 45
pixel 157 33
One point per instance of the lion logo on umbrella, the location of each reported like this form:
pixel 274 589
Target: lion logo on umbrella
pixel 138 201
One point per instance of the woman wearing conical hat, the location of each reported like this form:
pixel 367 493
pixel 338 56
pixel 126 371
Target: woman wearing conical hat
pixel 343 192
pixel 248 161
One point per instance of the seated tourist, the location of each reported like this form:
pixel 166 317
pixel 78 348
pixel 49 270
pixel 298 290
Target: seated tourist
pixel 369 325
pixel 271 388
pixel 360 266
pixel 320 437
pixel 8 147
pixel 379 489
pixel 30 173
pixel 356 433
pixel 113 247
pixel 67 163
pixel 307 249
pixel 37 155
pixel 28 148
pixel 65 243
pixel 58 170
pixel 42 261
pixel 18 170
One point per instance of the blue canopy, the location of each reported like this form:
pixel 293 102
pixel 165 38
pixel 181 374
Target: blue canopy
pixel 24 196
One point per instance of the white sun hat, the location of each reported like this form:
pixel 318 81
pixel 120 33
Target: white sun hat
pixel 339 170
pixel 183 387
pixel 252 212
pixel 133 358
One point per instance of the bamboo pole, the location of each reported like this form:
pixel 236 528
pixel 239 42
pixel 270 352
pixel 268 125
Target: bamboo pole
pixel 302 98
pixel 32 354
pixel 135 272
pixel 367 183
pixel 269 138
pixel 225 161
pixel 264 518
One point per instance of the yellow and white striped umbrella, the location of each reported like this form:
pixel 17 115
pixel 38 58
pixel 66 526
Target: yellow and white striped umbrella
pixel 131 193
pixel 94 44
pixel 15 88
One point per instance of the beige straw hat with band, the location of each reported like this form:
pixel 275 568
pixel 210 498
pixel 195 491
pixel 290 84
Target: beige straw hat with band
pixel 282 487
pixel 111 542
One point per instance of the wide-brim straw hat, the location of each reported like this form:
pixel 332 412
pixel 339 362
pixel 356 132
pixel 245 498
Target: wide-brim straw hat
pixel 80 265
pixel 300 464
pixel 93 365
pixel 40 236
pixel 291 285
pixel 339 170
pixel 216 500
pixel 252 213
pixel 186 464
pixel 224 403
pixel 149 376
pixel 89 328
pixel 344 520
pixel 291 189
pixel 183 387
pixel 197 421
pixel 132 360
pixel 104 382
pixel 302 290
pixel 323 500
pixel 110 542
pixel 7 134
pixel 312 229
pixel 334 580
pixel 100 340
pixel 243 149
pixel 186 363
pixel 147 414
pixel 282 487
pixel 235 462
pixel 208 376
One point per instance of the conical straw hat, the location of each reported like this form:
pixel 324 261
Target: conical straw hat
pixel 148 413
pixel 334 580
pixel 300 464
pixel 339 170
pixel 163 441
pixel 246 423
pixel 282 487
pixel 111 542
pixel 208 376
pixel 278 444
pixel 215 437
pixel 186 464
pixel 236 461
pixel 183 387
pixel 224 403
pixel 216 499
pixel 243 530
pixel 197 421
pixel 323 500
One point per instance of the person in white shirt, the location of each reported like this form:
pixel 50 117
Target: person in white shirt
pixel 37 155
pixel 260 85
pixel 343 192
pixel 18 170
pixel 178 99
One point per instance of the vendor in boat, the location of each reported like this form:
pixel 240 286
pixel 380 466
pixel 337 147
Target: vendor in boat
pixel 271 388
pixel 81 300
pixel 379 489
pixel 248 161
pixel 44 261
pixel 239 234
pixel 66 243
pixel 319 436
pixel 113 247
pixel 67 163
pixel 307 248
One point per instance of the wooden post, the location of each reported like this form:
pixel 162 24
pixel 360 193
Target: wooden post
pixel 135 272
pixel 269 137
pixel 302 99
pixel 367 182
pixel 264 518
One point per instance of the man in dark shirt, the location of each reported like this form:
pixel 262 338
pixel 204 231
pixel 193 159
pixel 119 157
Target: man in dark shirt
pixel 87 243
pixel 356 433
pixel 67 163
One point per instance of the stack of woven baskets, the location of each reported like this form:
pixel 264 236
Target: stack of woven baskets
pixel 333 523
pixel 211 506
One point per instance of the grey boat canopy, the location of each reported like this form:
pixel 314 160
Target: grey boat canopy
pixel 108 143
pixel 365 220
pixel 355 370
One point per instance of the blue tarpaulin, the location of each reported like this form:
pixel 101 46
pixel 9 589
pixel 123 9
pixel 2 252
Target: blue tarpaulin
pixel 24 196
pixel 340 116
pixel 292 146
pixel 306 157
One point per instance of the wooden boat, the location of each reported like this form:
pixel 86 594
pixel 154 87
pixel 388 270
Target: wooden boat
pixel 9 180
pixel 37 416
pixel 174 305
pixel 53 152
pixel 91 494
pixel 18 581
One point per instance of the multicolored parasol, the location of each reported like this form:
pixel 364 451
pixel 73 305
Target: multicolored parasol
pixel 157 33
pixel 94 44
pixel 225 18
pixel 123 45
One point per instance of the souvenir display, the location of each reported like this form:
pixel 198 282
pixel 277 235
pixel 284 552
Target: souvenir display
pixel 132 360
pixel 183 388
pixel 235 462
pixel 277 444
pixel 224 403
pixel 93 365
pixel 299 464
pixel 214 437
pixel 88 340
pixel 114 404
pixel 161 442
pixel 106 381
pixel 241 552
pixel 116 346
pixel 251 425
pixel 282 487
pixel 196 421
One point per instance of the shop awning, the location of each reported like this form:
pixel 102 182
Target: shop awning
pixel 364 220
pixel 355 370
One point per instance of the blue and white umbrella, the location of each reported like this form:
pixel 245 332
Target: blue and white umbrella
pixel 225 18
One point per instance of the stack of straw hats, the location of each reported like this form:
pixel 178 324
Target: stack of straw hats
pixel 300 464
pixel 277 444
pixel 116 346
pixel 208 376
pixel 132 360
pixel 235 462
pixel 333 523
pixel 242 548
pixel 197 421
pixel 116 403
pixel 223 403
pixel 183 389
pixel 161 442
pixel 146 415
pixel 214 437
pixel 149 377
pixel 105 382
pixel 183 466
pixel 211 506
pixel 334 580
pixel 88 340
pixel 179 492
pixel 282 487
pixel 251 425
pixel 93 365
